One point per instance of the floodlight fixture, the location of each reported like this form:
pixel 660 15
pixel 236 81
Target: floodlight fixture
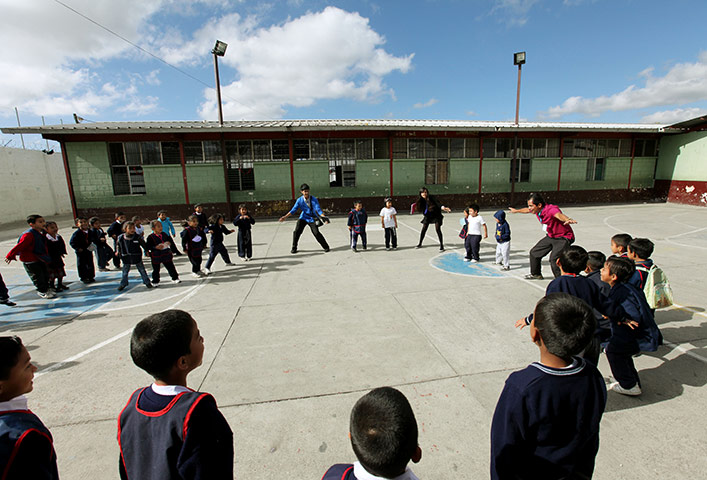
pixel 220 48
pixel 519 58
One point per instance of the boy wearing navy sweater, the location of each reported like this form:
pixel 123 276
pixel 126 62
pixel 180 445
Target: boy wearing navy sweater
pixel 357 225
pixel 82 243
pixel 546 423
pixel 26 448
pixel 383 433
pixel 159 245
pixel 640 251
pixel 130 248
pixel 114 231
pixel 168 429
pixel 32 249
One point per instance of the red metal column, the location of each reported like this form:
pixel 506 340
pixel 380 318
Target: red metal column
pixel 184 172
pixel 630 168
pixel 68 178
pixel 290 144
pixel 390 154
pixel 559 170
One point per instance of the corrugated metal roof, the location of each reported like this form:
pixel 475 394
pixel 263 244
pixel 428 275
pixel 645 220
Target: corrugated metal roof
pixel 310 125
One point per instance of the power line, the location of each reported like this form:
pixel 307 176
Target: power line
pixel 183 72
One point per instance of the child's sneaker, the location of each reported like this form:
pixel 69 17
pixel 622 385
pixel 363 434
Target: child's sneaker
pixel 387 248
pixel 473 260
pixel 176 280
pixel 467 259
pixel 229 264
pixel 46 295
pixel 121 288
pixel 354 249
pixel 155 282
pixel 506 268
pixel 152 285
pixel 197 275
pixel 633 391
pixel 530 276
pixel 6 301
pixel 206 271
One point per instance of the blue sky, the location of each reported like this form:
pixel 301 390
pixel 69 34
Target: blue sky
pixel 588 60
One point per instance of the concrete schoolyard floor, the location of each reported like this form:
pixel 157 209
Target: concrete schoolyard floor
pixel 292 341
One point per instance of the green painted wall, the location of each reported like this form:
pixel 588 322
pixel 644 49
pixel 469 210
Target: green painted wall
pixel 463 175
pixel 409 176
pixel 272 182
pixel 683 157
pixel 543 175
pixel 643 171
pixel 495 175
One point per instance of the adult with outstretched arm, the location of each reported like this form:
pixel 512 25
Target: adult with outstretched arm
pixel 431 210
pixel 558 234
pixel 310 215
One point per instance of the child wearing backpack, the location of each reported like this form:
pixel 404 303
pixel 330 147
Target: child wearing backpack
pixel 649 277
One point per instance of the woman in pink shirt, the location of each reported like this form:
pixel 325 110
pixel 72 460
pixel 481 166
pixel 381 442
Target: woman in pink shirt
pixel 559 234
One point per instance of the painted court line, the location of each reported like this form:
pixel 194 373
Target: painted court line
pixel 102 344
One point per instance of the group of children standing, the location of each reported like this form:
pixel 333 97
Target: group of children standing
pixel 41 249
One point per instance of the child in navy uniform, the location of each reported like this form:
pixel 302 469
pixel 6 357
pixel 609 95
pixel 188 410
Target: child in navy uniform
pixel 201 217
pixel 640 251
pixel 26 445
pixel 218 230
pixel 357 225
pixel 168 228
pixel 244 221
pixel 571 262
pixel 634 333
pixel 81 243
pixel 32 249
pixel 546 423
pixel 619 244
pixel 159 245
pixel 57 249
pixel 167 430
pixel 104 253
pixel 130 248
pixel 114 231
pixel 595 262
pixel 193 243
pixel 383 433
pixel 503 240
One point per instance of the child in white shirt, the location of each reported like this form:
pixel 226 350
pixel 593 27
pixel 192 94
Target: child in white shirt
pixel 389 222
pixel 472 242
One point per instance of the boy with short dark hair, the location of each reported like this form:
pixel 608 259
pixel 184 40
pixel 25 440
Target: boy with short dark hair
pixel 503 240
pixel 104 252
pixel 159 245
pixel 631 334
pixel 168 429
pixel 383 433
pixel 168 228
pixel 201 217
pixel 595 262
pixel 640 251
pixel 564 394
pixel 357 225
pixel 619 244
pixel 130 248
pixel 81 242
pixel 32 249
pixel 193 243
pixel 571 262
pixel 26 446
pixel 472 241
pixel 114 231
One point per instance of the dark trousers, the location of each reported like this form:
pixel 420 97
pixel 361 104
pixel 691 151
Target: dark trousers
pixel 245 244
pixel 84 264
pixel 438 227
pixel 39 274
pixel 195 262
pixel 354 238
pixel 170 268
pixel 140 268
pixel 216 250
pixel 4 294
pixel 116 258
pixel 299 228
pixel 103 255
pixel 391 236
pixel 621 348
pixel 472 243
pixel 542 248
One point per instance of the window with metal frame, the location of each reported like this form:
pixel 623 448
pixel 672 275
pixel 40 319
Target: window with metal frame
pixel 522 172
pixel 436 171
pixel 239 166
pixel 596 169
pixel 127 178
pixel 301 149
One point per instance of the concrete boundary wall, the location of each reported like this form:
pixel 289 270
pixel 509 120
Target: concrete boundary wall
pixel 32 182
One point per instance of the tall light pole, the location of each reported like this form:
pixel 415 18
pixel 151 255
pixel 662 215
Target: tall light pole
pixel 219 50
pixel 518 59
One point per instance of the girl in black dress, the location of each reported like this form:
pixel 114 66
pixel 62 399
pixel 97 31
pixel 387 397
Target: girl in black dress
pixel 431 210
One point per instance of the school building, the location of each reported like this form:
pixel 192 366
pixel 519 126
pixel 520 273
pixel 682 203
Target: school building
pixel 141 167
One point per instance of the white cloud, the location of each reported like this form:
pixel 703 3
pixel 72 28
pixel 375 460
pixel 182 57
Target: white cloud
pixel 684 83
pixel 514 13
pixel 428 103
pixel 674 116
pixel 332 54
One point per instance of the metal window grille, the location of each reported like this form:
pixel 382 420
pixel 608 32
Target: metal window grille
pixel 436 171
pixel 596 169
pixel 522 172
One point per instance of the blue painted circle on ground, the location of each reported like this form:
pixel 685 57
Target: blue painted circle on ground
pixel 453 262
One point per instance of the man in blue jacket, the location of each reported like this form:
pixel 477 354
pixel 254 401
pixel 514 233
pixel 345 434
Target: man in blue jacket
pixel 310 212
